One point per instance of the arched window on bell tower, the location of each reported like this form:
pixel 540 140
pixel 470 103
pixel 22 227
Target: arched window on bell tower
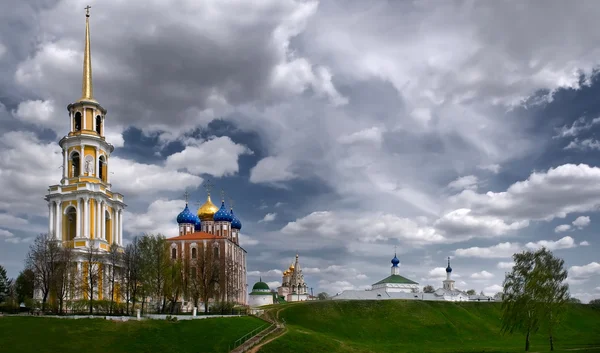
pixel 101 165
pixel 99 125
pixel 75 165
pixel 77 122
pixel 71 228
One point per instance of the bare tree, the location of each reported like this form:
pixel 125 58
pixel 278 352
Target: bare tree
pixel 208 273
pixel 114 261
pixel 91 267
pixel 131 276
pixel 428 289
pixel 41 259
pixel 65 274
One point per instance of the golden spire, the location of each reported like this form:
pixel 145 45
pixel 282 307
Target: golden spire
pixel 87 91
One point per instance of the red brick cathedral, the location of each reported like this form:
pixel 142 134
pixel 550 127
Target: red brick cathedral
pixel 215 230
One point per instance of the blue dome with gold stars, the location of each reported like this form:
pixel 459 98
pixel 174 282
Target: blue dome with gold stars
pixel 222 215
pixel 235 222
pixel 186 216
pixel 198 224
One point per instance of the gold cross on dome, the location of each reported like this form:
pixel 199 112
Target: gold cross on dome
pixel 87 11
pixel 222 195
pixel 231 203
pixel 186 195
pixel 208 186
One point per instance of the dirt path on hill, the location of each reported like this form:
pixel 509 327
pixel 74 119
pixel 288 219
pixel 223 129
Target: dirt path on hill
pixel 256 348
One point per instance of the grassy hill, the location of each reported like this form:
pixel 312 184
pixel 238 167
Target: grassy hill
pixel 49 335
pixel 420 326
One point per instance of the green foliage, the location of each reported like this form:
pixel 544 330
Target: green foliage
pixel 471 292
pixel 595 303
pixel 323 296
pixel 101 336
pixel 24 285
pixel 4 284
pixel 574 301
pixel 416 326
pixel 428 289
pixel 222 307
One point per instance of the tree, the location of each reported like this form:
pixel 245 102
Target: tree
pixel 131 276
pixel 24 285
pixel 154 264
pixel 91 268
pixel 520 311
pixel 551 292
pixel 65 275
pixel 5 284
pixel 114 261
pixel 574 301
pixel 41 259
pixel 471 292
pixel 595 303
pixel 323 296
pixel 208 273
pixel 428 289
pixel 174 282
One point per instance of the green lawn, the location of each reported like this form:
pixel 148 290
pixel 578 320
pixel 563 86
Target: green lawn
pixel 49 335
pixel 420 326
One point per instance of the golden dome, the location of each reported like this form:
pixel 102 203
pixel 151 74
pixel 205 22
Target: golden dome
pixel 207 211
pixel 291 267
pixel 285 273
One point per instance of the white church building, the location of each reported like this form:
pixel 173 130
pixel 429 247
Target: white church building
pixel 398 287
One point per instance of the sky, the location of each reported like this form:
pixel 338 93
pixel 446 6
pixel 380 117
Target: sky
pixel 342 130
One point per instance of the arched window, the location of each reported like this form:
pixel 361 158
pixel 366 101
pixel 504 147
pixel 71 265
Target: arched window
pixel 194 253
pixel 216 252
pixel 173 253
pixel 71 228
pixel 98 124
pixel 75 165
pixel 77 121
pixel 101 164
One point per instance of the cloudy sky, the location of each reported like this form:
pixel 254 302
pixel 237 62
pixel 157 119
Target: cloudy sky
pixel 340 129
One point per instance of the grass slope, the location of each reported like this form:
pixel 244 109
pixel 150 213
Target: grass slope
pixel 420 326
pixel 49 335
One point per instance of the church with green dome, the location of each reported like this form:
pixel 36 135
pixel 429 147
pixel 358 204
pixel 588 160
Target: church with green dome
pixel 261 294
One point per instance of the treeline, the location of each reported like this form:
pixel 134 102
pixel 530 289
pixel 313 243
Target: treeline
pixel 142 275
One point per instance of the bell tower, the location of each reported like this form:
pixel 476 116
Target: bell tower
pixel 82 207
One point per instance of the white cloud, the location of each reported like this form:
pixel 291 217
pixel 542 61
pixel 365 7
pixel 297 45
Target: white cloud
pixel 505 265
pixel 273 285
pixel 132 178
pixel 334 287
pixel 269 217
pixel 580 125
pixel 217 156
pixel 279 204
pixel 157 219
pixel 466 223
pixel 273 272
pixel 482 275
pixel 581 222
pixel 494 168
pixel 468 182
pixel 584 243
pixel 493 289
pixel 501 250
pixel 586 271
pixel 272 170
pixel 37 112
pixel 586 144
pixel 372 135
pixel 563 243
pixel 562 228
pixel 246 240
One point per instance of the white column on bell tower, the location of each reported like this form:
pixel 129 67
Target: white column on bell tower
pixel 50 219
pixel 65 164
pixel 78 219
pixel 103 220
pixel 58 214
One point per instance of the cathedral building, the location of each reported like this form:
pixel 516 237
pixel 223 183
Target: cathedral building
pixel 213 234
pixel 83 211
pixel 293 288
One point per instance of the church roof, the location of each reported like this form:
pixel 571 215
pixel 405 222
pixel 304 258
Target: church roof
pixel 396 279
pixel 196 236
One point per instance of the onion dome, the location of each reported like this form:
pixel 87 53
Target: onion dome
pixel 186 216
pixel 222 215
pixel 207 211
pixel 235 222
pixel 261 286
pixel 448 269
pixel 395 261
pixel 197 224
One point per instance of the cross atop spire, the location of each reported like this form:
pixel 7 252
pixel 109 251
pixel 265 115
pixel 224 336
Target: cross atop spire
pixel 231 203
pixel 208 186
pixel 186 195
pixel 395 250
pixel 87 11
pixel 448 261
pixel 222 195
